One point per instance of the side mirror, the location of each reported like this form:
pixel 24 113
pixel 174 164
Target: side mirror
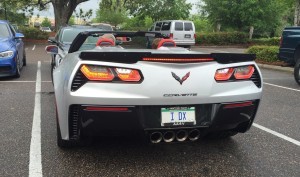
pixel 19 35
pixel 52 40
pixel 51 49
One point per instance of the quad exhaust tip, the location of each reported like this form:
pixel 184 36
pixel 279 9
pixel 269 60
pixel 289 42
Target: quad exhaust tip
pixel 194 135
pixel 156 137
pixel 181 135
pixel 169 136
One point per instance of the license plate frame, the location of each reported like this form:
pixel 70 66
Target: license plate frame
pixel 187 36
pixel 178 116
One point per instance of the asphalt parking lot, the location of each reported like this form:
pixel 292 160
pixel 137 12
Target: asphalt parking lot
pixel 270 148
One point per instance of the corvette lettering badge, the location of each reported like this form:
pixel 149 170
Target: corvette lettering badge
pixel 183 78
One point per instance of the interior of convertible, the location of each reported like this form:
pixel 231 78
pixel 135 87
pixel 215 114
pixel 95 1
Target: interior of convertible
pixel 109 40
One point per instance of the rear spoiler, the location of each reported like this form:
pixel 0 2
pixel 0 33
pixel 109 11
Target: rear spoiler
pixel 133 57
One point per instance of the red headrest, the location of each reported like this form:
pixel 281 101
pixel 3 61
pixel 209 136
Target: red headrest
pixel 105 42
pixel 166 43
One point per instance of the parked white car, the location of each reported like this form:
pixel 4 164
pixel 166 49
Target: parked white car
pixel 45 29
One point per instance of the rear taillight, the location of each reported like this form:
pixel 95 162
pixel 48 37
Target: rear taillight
pixel 244 72
pixel 195 35
pixel 224 74
pixel 129 75
pixel 110 74
pixel 171 35
pixel 235 73
pixel 281 39
pixel 97 73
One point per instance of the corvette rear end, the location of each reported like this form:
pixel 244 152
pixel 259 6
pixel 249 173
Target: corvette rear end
pixel 167 95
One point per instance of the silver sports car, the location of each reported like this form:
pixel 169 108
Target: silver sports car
pixel 168 94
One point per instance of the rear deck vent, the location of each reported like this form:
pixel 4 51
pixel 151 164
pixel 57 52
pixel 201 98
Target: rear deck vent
pixel 78 81
pixel 256 79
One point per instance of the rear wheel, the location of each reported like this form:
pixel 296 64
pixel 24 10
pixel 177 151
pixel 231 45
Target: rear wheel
pixel 24 58
pixel 297 71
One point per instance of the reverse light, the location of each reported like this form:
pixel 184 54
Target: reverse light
pixel 97 73
pixel 244 72
pixel 6 54
pixel 224 74
pixel 128 75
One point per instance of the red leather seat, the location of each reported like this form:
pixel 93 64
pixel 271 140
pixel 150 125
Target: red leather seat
pixel 166 43
pixel 105 42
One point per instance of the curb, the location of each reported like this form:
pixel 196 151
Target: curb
pixel 278 68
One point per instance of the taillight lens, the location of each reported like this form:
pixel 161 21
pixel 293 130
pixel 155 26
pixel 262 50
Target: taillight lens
pixel 128 75
pixel 239 73
pixel 281 40
pixel 195 35
pixel 224 74
pixel 244 72
pixel 171 35
pixel 97 73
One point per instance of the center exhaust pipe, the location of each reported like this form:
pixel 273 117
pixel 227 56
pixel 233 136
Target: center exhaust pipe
pixel 156 137
pixel 181 135
pixel 169 136
pixel 194 135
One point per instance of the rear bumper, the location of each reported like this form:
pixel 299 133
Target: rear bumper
pixel 131 119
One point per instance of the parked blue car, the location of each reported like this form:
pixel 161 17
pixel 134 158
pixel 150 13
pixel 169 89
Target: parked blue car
pixel 12 51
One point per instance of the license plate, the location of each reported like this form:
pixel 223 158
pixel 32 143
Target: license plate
pixel 178 116
pixel 187 36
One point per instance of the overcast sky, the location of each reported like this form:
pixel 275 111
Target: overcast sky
pixel 94 4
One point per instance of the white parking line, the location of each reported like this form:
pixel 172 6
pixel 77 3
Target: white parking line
pixel 33 47
pixel 35 160
pixel 282 87
pixel 277 134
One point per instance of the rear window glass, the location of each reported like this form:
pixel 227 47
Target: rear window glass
pixel 166 26
pixel 157 26
pixel 179 26
pixel 188 27
pixel 4 31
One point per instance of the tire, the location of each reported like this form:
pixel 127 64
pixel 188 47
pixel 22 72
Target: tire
pixel 24 58
pixel 221 134
pixel 297 71
pixel 17 75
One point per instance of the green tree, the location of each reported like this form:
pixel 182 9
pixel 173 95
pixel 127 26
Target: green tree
pixel 72 20
pixel 84 16
pixel 112 12
pixel 46 23
pixel 264 15
pixel 160 9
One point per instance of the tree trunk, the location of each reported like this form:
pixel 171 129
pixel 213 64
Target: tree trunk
pixel 296 14
pixel 251 32
pixel 218 27
pixel 63 10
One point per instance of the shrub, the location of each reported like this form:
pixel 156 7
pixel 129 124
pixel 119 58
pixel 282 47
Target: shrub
pixel 34 33
pixel 266 41
pixel 264 53
pixel 222 38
